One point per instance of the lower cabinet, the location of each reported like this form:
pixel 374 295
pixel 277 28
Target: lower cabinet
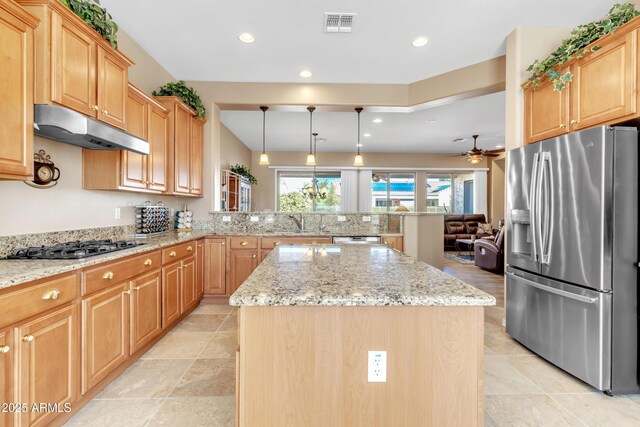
pixel 188 285
pixel 242 264
pixel 394 242
pixel 48 365
pixel 171 293
pixel 215 261
pixel 200 268
pixel 7 352
pixel 146 309
pixel 105 333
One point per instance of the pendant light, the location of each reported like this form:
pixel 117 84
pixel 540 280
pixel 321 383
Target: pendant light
pixel 311 157
pixel 358 159
pixel 264 158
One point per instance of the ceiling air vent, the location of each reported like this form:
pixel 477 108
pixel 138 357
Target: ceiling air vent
pixel 338 22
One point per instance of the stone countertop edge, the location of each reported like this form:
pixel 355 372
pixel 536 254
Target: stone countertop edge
pixel 376 276
pixel 16 272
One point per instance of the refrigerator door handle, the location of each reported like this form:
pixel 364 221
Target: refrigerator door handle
pixel 549 289
pixel 533 207
pixel 545 166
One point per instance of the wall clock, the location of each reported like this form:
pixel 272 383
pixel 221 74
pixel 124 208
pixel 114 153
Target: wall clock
pixel 45 174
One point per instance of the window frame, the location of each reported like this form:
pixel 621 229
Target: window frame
pixel 452 177
pixel 388 174
pixel 305 173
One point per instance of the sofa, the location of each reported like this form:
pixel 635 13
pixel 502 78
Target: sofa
pixel 461 227
pixel 489 254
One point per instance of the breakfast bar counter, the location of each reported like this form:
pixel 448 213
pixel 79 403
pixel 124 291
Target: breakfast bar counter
pixel 310 315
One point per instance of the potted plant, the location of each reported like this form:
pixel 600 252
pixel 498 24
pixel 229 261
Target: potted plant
pixel 245 172
pixel 97 17
pixel 186 94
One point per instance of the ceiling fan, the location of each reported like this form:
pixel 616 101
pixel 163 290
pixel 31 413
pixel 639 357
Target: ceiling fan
pixel 476 154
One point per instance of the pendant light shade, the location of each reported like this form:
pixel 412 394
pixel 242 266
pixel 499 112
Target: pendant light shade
pixel 358 160
pixel 311 157
pixel 264 158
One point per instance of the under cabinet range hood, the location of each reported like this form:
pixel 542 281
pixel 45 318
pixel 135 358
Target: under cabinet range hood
pixel 65 125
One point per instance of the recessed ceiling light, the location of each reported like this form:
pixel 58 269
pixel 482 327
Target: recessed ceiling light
pixel 366 135
pixel 246 38
pixel 499 146
pixel 306 74
pixel 358 145
pixel 420 41
pixel 377 120
pixel 430 121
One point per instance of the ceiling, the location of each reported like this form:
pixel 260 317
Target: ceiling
pixel 198 39
pixel 424 131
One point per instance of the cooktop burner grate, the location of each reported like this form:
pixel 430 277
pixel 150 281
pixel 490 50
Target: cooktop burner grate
pixel 73 250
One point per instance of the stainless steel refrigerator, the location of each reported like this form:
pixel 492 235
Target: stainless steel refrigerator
pixel 572 254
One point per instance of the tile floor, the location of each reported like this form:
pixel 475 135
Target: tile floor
pixel 187 379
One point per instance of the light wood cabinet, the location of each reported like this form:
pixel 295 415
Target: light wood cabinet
pixel 215 256
pixel 182 151
pixel 200 257
pixel 16 91
pixel 105 329
pixel 134 165
pixel 242 264
pixel 197 156
pixel 547 112
pixel 188 284
pixel 48 368
pixel 393 242
pixel 7 353
pixel 171 293
pixel 146 309
pixel 158 159
pixel 113 77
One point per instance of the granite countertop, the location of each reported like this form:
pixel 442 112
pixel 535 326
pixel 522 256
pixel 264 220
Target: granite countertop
pixel 352 275
pixel 15 272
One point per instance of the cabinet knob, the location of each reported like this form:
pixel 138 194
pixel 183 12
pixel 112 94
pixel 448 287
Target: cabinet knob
pixel 313 242
pixel 189 248
pixel 172 253
pixel 105 112
pixel 5 349
pixel 573 122
pixel 222 244
pixel 136 288
pixel 108 275
pixel 96 108
pixel 127 292
pixel 562 125
pixel 253 256
pixel 244 243
pixel 148 262
pixel 385 242
pixel 51 294
pixel 27 338
pixel 276 243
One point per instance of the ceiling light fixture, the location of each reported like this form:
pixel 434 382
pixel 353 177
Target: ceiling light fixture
pixel 377 120
pixel 247 38
pixel 499 146
pixel 264 158
pixel 315 190
pixel 306 74
pixel 420 41
pixel 311 157
pixel 367 135
pixel 358 161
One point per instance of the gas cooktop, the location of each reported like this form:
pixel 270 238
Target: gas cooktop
pixel 73 250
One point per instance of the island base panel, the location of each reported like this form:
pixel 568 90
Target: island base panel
pixel 307 366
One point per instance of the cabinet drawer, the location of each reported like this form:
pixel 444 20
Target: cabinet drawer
pixel 244 243
pixel 272 242
pixel 36 299
pixel 109 274
pixel 178 251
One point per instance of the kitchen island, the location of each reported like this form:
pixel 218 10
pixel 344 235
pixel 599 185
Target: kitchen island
pixel 308 317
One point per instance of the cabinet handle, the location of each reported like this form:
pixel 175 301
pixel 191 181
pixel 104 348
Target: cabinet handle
pixel 5 349
pixel 108 275
pixel 276 243
pixel 27 338
pixel 222 244
pixel 51 294
pixel 253 256
pixel 148 262
pixel 313 242
pixel 136 288
pixel 244 243
pixel 96 108
pixel 172 253
pixel 562 125
pixel 189 248
pixel 127 292
pixel 385 242
pixel 573 122
pixel 105 112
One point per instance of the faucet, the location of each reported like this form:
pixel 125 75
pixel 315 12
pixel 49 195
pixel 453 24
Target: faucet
pixel 299 222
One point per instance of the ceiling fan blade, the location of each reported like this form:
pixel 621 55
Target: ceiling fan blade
pixel 491 154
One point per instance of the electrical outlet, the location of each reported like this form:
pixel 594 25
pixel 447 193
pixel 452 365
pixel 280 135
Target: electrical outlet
pixel 377 367
pixel 255 218
pixel 366 219
pixel 342 218
pixel 117 213
pixel 226 218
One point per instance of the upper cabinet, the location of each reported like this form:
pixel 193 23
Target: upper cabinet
pixel 16 91
pixel 603 90
pixel 76 67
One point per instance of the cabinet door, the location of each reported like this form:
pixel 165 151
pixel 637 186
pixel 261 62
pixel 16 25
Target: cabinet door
pixel 189 293
pixel 243 262
pixel 546 112
pixel 199 268
pixel 159 147
pixel 7 353
pixel 264 253
pixel 113 78
pixel 182 151
pixel 605 83
pixel 105 333
pixel 215 266
pixel 16 93
pixel 393 242
pixel 49 364
pixel 197 155
pixel 146 306
pixel 170 293
pixel 73 67
pixel 134 165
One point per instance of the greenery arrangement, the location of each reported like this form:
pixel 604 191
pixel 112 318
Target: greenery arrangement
pixel 187 94
pixel 576 46
pixel 295 201
pixel 244 171
pixel 97 17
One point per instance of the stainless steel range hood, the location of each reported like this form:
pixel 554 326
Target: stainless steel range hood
pixel 65 125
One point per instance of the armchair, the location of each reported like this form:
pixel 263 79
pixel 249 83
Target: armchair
pixel 489 254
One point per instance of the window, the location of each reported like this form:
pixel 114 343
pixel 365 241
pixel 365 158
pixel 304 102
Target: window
pixel 450 193
pixel 291 194
pixel 393 191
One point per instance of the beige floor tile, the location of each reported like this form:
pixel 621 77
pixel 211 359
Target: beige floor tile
pixel 494 315
pixel 223 344
pixel 230 325
pixel 147 378
pixel 179 345
pixel 502 378
pixel 196 322
pixel 596 409
pixel 547 376
pixel 213 308
pixel 497 339
pixel 526 410
pixel 116 413
pixel 196 412
pixel 208 377
pixel 489 352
